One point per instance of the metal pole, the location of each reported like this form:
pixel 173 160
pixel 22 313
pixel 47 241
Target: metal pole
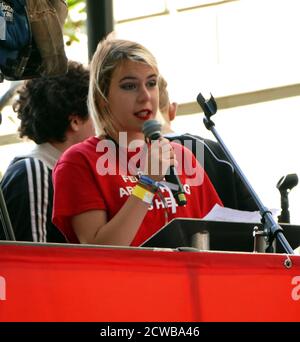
pixel 100 22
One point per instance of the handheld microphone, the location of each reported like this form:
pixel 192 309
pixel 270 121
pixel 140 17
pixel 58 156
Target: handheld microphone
pixel 152 131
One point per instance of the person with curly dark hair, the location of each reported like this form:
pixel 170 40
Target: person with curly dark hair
pixel 53 113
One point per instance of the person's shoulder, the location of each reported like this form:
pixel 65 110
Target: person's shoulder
pixel 192 136
pixel 17 168
pixel 20 167
pixel 180 148
pixel 181 138
pixel 213 143
pixel 190 141
pixel 215 147
pixel 80 150
pixel 208 143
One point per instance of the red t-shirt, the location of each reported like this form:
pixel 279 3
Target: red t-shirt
pixel 93 175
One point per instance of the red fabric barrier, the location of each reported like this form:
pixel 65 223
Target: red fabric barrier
pixel 59 283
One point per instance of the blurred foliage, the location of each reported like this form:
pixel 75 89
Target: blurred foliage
pixel 75 22
pixel 74 25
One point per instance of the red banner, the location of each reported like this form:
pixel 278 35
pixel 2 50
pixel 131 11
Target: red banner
pixel 63 283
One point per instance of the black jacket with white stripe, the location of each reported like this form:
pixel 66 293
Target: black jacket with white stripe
pixel 28 192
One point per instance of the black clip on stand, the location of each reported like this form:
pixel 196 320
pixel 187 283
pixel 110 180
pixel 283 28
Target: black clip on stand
pixel 285 185
pixel 272 229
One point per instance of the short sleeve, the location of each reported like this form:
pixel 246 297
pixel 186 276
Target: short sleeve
pixel 75 191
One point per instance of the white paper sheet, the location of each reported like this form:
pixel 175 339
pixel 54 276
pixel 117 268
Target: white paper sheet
pixel 219 213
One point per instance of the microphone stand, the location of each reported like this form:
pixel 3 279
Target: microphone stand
pixel 272 230
pixel 284 216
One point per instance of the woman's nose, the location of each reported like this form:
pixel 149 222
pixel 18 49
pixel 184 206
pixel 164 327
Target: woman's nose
pixel 144 94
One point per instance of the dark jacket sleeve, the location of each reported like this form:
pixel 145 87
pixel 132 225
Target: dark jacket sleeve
pixel 28 193
pixel 227 183
pixel 230 185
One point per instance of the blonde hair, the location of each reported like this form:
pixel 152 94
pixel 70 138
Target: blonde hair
pixel 164 100
pixel 109 55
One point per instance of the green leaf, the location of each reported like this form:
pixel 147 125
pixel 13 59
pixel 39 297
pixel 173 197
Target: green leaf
pixel 71 26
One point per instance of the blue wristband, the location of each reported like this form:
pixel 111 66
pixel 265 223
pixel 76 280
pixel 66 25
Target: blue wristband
pixel 149 181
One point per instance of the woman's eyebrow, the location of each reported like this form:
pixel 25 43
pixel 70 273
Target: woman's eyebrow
pixel 125 78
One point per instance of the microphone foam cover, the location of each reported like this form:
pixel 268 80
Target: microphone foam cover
pixel 151 127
